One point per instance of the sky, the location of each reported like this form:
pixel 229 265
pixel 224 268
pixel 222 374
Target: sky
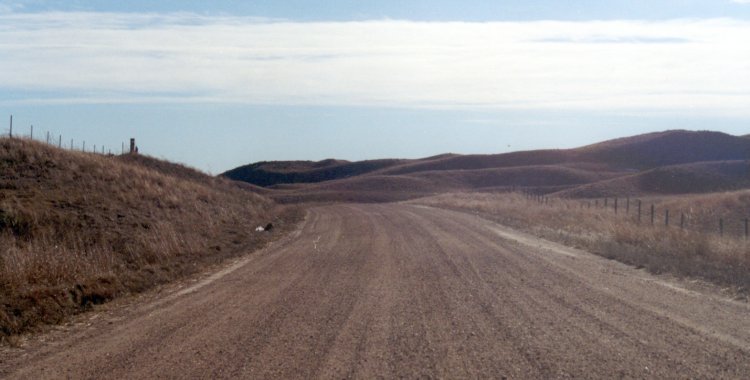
pixel 220 84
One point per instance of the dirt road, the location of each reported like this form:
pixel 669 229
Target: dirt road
pixel 394 291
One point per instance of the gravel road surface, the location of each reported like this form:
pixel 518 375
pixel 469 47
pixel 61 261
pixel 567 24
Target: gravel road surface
pixel 396 291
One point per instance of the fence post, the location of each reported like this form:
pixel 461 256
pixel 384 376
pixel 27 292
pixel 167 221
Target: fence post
pixel 47 137
pixel 627 206
pixel 682 220
pixel 666 217
pixel 31 135
pixel 83 147
pixel 10 134
pixel 59 142
pixel 71 144
pixel 639 211
pixel 652 214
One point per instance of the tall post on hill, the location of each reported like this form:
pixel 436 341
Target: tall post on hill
pixel 59 142
pixel 133 149
pixel 31 134
pixel 47 137
pixel 10 134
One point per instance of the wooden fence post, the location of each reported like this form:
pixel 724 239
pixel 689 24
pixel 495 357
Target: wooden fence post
pixel 682 220
pixel 627 206
pixel 652 214
pixel 639 211
pixel 10 134
pixel 59 142
pixel 31 134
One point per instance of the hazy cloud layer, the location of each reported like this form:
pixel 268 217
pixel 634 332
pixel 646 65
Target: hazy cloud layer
pixel 693 65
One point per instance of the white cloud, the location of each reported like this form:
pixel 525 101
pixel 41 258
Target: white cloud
pixel 107 57
pixel 741 1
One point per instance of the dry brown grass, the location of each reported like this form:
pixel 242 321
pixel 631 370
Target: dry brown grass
pixel 77 229
pixel 696 251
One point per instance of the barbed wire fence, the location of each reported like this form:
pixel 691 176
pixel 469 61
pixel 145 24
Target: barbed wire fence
pixel 649 213
pixel 57 140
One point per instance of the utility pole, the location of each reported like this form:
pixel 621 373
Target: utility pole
pixel 32 131
pixel 11 127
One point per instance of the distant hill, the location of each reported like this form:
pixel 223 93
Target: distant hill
pixel 279 172
pixel 667 148
pixel 675 161
pixel 640 152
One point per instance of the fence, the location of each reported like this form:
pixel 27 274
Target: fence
pixel 649 213
pixel 58 141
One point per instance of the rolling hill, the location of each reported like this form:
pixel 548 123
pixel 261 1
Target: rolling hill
pixel 675 161
pixel 702 177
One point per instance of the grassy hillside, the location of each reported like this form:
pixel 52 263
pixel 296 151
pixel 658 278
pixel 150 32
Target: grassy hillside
pixel 702 177
pixel 667 148
pixel 474 162
pixel 522 176
pixel 279 172
pixel 361 189
pixel 78 229
pixel 391 188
